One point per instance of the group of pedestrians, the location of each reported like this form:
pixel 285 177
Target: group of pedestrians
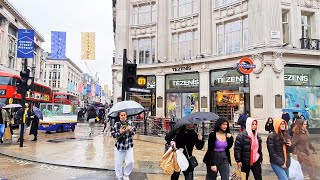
pixel 7 120
pixel 247 148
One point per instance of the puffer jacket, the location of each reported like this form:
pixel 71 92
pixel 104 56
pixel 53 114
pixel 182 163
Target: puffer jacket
pixel 275 146
pixel 242 148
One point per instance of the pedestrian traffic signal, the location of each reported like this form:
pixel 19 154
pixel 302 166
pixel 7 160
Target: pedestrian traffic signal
pixel 25 82
pixel 130 75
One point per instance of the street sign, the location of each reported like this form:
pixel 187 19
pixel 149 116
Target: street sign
pixel 244 89
pixel 246 65
pixel 140 90
pixel 25 43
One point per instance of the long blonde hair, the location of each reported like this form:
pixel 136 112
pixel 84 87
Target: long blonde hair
pixel 298 128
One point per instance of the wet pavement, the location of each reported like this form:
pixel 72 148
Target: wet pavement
pixel 17 169
pixel 79 150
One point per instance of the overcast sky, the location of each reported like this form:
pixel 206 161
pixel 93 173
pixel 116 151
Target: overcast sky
pixel 74 17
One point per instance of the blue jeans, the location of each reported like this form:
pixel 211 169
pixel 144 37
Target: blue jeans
pixel 1 130
pixel 281 173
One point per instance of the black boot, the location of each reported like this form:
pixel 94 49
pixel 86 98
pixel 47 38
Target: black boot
pixel 35 138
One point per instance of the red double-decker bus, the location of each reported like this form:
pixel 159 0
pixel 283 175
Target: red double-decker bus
pixel 65 98
pixel 39 93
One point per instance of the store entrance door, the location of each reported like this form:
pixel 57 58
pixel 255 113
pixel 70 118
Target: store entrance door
pixel 228 102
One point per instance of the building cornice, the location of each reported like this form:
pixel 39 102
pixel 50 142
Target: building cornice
pixel 284 51
pixel 23 20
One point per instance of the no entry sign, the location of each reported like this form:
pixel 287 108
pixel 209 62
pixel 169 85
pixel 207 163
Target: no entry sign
pixel 246 65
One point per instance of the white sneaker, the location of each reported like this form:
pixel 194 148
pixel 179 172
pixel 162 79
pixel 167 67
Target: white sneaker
pixel 126 178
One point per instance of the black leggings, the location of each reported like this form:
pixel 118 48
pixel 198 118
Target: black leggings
pixel 255 168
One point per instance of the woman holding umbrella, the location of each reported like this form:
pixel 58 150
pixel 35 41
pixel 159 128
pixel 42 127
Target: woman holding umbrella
pixel 186 138
pixel 123 150
pixel 217 157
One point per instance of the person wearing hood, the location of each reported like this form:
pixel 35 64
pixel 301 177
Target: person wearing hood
pixel 279 147
pixel 248 150
pixel 186 138
pixel 217 157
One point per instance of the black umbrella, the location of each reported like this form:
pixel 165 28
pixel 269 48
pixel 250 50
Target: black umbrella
pixel 196 118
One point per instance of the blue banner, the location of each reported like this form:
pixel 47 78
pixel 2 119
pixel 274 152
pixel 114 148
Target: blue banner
pixel 25 44
pixel 103 93
pixel 98 88
pixel 58 45
pixel 88 88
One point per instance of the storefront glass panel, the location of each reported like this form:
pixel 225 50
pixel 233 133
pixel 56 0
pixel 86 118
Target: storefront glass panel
pixel 182 104
pixel 182 94
pixel 302 93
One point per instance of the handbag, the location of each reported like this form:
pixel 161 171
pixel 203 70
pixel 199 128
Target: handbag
pixel 238 175
pixel 193 163
pixel 295 171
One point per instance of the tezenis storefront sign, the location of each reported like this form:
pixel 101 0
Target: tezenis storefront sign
pixel 296 79
pixel 185 83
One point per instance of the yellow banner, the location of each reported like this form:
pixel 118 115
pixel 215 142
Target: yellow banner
pixel 88 41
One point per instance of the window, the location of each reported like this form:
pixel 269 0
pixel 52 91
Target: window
pixel 58 84
pixel 144 50
pixel 58 75
pixel 232 37
pixel 50 73
pixel 12 46
pixel 285 27
pixel 45 75
pixel 54 83
pixel 306 26
pixel 50 83
pixel 184 7
pixel 224 2
pixel 11 63
pixel 184 45
pixel 143 14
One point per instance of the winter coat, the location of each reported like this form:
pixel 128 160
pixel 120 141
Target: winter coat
pixel 242 148
pixel 34 123
pixel 209 156
pixel 269 127
pixel 91 115
pixel 275 145
pixel 187 139
pixel 302 143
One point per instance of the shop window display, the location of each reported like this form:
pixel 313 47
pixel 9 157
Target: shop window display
pixel 304 100
pixel 182 104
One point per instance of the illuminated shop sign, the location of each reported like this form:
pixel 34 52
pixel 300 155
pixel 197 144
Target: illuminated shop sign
pixel 297 78
pixel 186 83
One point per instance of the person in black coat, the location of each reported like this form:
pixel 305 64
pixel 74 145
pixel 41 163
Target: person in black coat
pixel 186 138
pixel 217 157
pixel 279 147
pixel 34 120
pixel 91 118
pixel 248 150
pixel 269 125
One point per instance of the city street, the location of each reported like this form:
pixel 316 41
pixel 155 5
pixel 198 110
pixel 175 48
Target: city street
pixel 71 155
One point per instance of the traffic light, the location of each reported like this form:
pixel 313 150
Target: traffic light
pixel 25 82
pixel 130 75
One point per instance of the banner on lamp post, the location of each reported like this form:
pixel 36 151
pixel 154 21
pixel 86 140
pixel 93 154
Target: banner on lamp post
pixel 25 44
pixel 88 43
pixel 58 45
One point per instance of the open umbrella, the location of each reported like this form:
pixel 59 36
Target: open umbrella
pixel 38 112
pixel 12 106
pixel 196 118
pixel 130 107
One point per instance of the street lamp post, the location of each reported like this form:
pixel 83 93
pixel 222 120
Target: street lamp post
pixel 23 85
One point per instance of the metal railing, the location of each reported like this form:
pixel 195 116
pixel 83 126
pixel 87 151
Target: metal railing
pixel 156 126
pixel 308 43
